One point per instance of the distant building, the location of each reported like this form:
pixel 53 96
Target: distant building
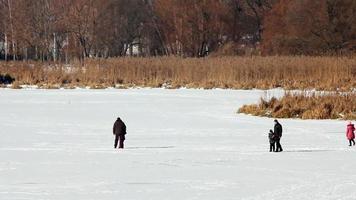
pixel 133 49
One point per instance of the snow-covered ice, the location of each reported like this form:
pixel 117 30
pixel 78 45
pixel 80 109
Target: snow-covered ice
pixel 181 144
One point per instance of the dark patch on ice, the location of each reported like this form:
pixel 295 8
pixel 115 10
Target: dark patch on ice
pixel 308 150
pixel 163 147
pixel 143 183
pixel 31 183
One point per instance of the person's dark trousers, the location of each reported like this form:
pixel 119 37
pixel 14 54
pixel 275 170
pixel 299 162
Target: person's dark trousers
pixel 272 147
pixel 119 139
pixel 279 146
pixel 353 142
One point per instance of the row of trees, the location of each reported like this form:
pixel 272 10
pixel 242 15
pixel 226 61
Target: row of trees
pixel 310 27
pixel 62 30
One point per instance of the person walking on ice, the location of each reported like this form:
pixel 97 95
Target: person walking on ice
pixel 278 135
pixel 350 133
pixel 272 143
pixel 119 130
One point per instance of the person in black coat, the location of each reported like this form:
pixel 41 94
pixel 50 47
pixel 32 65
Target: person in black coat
pixel 278 135
pixel 272 143
pixel 119 130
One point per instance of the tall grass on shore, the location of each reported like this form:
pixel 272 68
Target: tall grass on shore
pixel 322 73
pixel 306 106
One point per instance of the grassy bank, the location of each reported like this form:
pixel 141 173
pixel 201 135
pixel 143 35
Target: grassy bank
pixel 306 106
pixel 322 73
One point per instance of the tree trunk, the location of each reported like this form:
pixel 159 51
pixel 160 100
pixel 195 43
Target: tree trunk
pixel 66 50
pixel 36 53
pixel 54 48
pixel 26 54
pixel 12 30
pixel 131 49
pixel 6 47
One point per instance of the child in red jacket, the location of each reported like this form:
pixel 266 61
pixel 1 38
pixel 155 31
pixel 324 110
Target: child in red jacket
pixel 350 133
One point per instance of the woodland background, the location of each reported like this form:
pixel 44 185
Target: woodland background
pixel 66 30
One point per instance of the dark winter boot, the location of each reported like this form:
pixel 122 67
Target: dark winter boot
pixel 121 144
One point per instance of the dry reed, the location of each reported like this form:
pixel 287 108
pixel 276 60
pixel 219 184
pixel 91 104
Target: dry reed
pixel 321 73
pixel 306 106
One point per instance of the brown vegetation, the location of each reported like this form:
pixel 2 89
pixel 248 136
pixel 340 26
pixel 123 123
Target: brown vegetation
pixel 310 27
pixel 322 73
pixel 63 30
pixel 66 30
pixel 306 106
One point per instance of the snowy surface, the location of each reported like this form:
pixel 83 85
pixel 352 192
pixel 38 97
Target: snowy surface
pixel 181 144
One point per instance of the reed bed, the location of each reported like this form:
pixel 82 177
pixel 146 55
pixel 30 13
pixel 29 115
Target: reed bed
pixel 306 106
pixel 288 72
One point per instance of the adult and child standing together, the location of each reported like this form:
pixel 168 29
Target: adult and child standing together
pixel 275 137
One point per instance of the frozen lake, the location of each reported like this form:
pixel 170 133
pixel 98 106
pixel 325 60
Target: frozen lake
pixel 181 145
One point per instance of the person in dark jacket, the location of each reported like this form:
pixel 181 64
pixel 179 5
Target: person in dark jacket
pixel 119 130
pixel 272 143
pixel 278 135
